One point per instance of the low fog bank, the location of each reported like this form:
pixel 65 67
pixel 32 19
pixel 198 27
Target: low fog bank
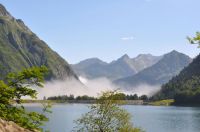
pixel 73 86
pixel 89 87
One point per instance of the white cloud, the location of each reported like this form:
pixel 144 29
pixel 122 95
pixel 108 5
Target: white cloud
pixel 127 38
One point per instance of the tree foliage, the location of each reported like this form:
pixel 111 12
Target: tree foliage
pixel 120 96
pixel 106 116
pixel 195 40
pixel 71 97
pixel 13 88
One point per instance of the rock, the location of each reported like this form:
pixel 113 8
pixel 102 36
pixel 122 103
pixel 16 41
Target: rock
pixel 9 126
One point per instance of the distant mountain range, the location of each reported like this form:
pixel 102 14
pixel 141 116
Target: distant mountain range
pixel 130 72
pixel 122 67
pixel 21 48
pixel 169 66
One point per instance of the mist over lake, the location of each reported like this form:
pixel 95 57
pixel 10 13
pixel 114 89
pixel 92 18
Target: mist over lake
pixel 100 66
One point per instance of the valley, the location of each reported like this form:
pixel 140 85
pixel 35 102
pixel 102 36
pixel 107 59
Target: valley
pixel 99 66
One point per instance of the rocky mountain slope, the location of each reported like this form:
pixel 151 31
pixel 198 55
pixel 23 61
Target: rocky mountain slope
pixel 21 48
pixel 122 67
pixel 170 65
pixel 144 61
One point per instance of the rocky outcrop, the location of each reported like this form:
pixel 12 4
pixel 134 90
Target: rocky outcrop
pixel 6 126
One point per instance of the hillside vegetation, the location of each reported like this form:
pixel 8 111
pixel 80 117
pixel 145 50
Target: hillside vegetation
pixel 20 48
pixel 185 87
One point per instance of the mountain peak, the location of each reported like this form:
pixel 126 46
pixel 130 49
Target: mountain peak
pixel 3 11
pixel 175 52
pixel 91 61
pixel 124 57
pixel 177 57
pixel 144 56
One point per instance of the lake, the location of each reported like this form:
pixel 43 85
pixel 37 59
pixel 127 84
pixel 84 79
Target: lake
pixel 149 118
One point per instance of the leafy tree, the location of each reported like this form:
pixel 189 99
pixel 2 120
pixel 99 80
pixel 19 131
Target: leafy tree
pixel 106 116
pixel 13 88
pixel 71 97
pixel 195 40
pixel 144 97
pixel 131 97
pixel 135 97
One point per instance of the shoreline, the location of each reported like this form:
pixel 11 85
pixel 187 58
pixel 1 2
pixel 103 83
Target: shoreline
pixel 125 102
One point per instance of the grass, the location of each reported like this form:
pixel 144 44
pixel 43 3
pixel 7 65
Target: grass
pixel 167 102
pixel 43 101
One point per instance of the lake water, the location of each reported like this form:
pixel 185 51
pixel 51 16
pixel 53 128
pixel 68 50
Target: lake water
pixel 149 118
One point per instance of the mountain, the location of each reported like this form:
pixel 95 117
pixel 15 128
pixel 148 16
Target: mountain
pixel 144 61
pixel 184 88
pixel 122 67
pixel 90 68
pixel 21 48
pixel 161 72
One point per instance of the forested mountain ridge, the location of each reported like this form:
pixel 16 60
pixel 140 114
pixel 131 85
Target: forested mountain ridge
pixel 21 48
pixel 185 87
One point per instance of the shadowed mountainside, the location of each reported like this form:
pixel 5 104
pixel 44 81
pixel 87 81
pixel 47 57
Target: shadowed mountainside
pixel 170 65
pixel 184 86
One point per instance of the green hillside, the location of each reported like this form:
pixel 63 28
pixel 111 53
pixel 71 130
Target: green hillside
pixel 21 48
pixel 184 88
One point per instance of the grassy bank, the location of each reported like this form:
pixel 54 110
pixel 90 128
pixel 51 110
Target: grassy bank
pixel 43 101
pixel 167 102
pixel 128 102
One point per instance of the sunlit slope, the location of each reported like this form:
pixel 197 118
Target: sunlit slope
pixel 21 48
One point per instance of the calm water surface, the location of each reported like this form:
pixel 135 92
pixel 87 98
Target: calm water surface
pixel 149 118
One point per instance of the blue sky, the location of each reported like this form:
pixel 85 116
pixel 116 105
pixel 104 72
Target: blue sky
pixel 107 29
